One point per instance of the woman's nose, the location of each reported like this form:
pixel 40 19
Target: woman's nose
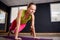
pixel 33 11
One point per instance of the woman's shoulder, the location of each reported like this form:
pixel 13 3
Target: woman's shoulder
pixel 22 10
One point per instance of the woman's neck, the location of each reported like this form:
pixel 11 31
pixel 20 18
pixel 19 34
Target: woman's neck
pixel 27 14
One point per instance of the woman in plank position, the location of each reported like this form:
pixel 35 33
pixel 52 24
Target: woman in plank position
pixel 23 17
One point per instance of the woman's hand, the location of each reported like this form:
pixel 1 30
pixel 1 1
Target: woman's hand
pixel 18 39
pixel 33 32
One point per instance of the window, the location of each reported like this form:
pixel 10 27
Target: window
pixel 3 21
pixel 55 12
pixel 14 12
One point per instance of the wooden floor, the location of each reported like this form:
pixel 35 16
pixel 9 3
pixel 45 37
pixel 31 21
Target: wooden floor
pixel 38 34
pixel 54 36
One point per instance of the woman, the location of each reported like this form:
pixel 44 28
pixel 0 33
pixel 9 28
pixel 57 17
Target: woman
pixel 23 17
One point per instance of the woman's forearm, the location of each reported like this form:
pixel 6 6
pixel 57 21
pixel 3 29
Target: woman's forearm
pixel 33 25
pixel 17 28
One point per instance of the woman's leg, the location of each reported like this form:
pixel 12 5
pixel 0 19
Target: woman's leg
pixel 12 27
pixel 22 26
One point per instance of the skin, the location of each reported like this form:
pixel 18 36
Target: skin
pixel 30 11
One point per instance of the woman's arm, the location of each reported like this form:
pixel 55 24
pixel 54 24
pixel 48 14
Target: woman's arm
pixel 18 23
pixel 33 26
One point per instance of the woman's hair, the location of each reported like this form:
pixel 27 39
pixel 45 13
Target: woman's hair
pixel 31 4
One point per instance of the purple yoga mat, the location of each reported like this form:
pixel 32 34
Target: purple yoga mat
pixel 24 38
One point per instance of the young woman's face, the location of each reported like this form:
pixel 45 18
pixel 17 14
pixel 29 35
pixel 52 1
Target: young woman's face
pixel 32 9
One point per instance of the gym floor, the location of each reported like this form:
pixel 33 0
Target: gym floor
pixel 27 36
